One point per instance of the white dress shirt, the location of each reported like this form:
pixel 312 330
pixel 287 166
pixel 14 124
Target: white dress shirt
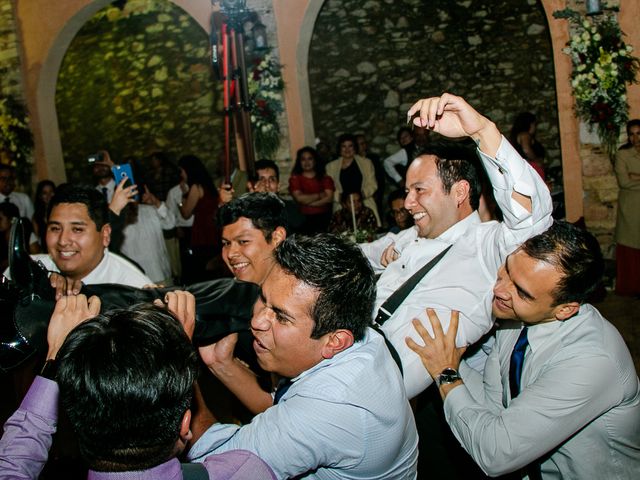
pixel 463 280
pixel 390 163
pixel 345 418
pixel 110 186
pixel 579 403
pixel 144 242
pixel 22 201
pixel 111 269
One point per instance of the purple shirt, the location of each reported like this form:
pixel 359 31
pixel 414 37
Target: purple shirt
pixel 24 446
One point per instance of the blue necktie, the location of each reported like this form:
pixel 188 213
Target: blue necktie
pixel 283 386
pixel 517 360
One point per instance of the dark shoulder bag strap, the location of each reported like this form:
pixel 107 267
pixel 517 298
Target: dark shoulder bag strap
pixel 194 471
pixel 396 299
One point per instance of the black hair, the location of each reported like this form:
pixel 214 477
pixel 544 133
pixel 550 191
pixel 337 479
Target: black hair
pixel 340 273
pixel 126 379
pixel 346 137
pixel 263 164
pixel 345 195
pixel 575 253
pixel 456 162
pixel 635 122
pixel 396 195
pixel 9 210
pixel 265 210
pixel 197 173
pixel 87 195
pixel 318 166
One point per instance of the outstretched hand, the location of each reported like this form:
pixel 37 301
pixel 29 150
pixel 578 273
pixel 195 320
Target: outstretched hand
pixel 219 355
pixel 447 115
pixel 69 312
pixel 440 351
pixel 122 196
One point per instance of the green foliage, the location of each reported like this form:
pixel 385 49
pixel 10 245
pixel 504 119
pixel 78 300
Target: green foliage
pixel 15 137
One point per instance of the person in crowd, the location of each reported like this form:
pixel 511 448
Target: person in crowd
pixel 267 179
pixel 252 226
pixel 325 154
pixel 8 193
pixel 78 234
pixel 402 219
pixel 183 229
pixel 627 233
pixel 111 397
pixel 560 396
pixel 443 190
pixel 44 192
pixel 328 418
pixel 353 211
pixel 162 175
pixel 352 173
pixel 144 240
pixel 363 151
pixel 103 176
pixel 201 201
pixel 523 138
pixel 312 189
pixel 8 211
pixel 396 164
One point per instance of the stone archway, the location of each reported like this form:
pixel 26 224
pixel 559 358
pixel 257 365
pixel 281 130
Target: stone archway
pixel 46 30
pixel 295 26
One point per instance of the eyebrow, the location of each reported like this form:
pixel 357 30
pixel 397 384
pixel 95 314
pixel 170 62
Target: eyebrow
pixel 76 222
pixel 278 311
pixel 521 290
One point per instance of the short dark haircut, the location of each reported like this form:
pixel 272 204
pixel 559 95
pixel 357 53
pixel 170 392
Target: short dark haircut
pixel 126 379
pixel 575 253
pixel 263 164
pixel 318 163
pixel 9 210
pixel 396 195
pixel 634 122
pixel 342 276
pixel 86 195
pixel 265 210
pixel 457 162
pixel 346 137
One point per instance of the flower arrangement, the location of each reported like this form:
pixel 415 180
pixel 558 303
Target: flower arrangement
pixel 602 66
pixel 265 90
pixel 16 141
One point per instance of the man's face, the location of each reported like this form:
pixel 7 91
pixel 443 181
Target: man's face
pixel 400 214
pixel 101 171
pixel 282 325
pixel 634 136
pixel 523 290
pixel 267 181
pixel 7 181
pixel 362 144
pixel 74 244
pixel 246 251
pixel 433 210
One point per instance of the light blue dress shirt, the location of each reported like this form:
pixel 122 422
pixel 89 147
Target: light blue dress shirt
pixel 346 418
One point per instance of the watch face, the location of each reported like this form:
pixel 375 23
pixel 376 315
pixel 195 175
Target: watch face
pixel 448 375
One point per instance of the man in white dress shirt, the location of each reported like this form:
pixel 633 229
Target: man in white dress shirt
pixel 560 397
pixel 7 193
pixel 78 234
pixel 443 197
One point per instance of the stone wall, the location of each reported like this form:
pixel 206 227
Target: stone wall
pixel 10 80
pixel 369 61
pixel 135 81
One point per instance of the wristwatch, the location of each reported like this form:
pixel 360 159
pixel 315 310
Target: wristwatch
pixel 448 375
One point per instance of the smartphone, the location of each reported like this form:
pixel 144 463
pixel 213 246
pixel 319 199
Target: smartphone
pixel 96 157
pixel 121 171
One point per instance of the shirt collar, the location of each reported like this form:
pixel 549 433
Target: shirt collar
pixel 455 231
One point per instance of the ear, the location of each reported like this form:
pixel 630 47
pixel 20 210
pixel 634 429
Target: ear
pixel 336 342
pixel 460 190
pixel 278 236
pixel 106 235
pixel 566 310
pixel 185 424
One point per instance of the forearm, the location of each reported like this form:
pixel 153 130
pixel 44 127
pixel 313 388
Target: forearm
pixel 242 382
pixel 307 198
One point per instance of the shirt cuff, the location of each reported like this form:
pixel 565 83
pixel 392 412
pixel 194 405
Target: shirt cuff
pixel 42 398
